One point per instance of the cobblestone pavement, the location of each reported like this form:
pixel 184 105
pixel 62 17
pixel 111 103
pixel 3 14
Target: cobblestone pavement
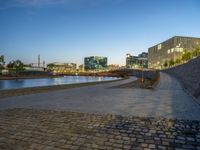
pixel 25 129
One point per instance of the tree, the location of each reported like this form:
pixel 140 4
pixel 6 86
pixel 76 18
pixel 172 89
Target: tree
pixel 51 66
pixel 186 56
pixel 2 62
pixel 196 52
pixel 171 62
pixel 17 65
pixel 10 65
pixel 166 64
pixel 177 61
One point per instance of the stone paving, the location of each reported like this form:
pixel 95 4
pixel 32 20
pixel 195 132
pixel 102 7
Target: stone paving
pixel 28 129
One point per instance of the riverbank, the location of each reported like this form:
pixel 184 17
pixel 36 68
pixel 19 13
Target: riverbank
pixel 42 89
pixel 17 77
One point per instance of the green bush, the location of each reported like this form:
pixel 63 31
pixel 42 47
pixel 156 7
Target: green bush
pixel 186 56
pixel 177 61
pixel 171 62
pixel 196 52
pixel 165 64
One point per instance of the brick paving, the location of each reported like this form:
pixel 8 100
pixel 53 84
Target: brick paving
pixel 25 129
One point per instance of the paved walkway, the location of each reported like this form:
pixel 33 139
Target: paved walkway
pixel 167 100
pixel 22 127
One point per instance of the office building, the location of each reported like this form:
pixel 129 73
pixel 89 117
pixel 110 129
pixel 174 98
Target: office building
pixel 95 63
pixel 62 67
pixel 171 49
pixel 137 62
pixel 81 68
pixel 112 67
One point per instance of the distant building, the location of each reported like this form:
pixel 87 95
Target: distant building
pixel 33 67
pixel 172 48
pixel 81 68
pixel 4 72
pixel 95 63
pixel 113 67
pixel 62 67
pixel 137 62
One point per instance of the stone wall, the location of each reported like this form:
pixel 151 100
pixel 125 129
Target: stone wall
pixel 151 75
pixel 189 75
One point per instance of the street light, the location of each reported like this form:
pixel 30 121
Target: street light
pixel 142 73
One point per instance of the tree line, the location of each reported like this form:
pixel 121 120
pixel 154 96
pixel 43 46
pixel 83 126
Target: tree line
pixel 14 66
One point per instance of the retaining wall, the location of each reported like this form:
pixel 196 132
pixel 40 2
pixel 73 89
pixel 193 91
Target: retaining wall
pixel 189 75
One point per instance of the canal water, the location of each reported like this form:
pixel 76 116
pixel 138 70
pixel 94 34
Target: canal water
pixel 23 83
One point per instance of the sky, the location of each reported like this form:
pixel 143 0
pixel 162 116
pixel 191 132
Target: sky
pixel 69 30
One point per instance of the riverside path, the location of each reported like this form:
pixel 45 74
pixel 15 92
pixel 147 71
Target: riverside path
pixel 167 100
pixel 101 117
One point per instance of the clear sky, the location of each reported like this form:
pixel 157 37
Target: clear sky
pixel 69 30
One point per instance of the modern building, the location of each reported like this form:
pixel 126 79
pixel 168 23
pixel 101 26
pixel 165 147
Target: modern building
pixel 62 67
pixel 95 63
pixel 113 67
pixel 170 49
pixel 33 68
pixel 81 68
pixel 137 62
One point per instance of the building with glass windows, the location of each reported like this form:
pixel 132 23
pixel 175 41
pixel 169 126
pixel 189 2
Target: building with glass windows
pixel 62 67
pixel 137 62
pixel 171 49
pixel 95 63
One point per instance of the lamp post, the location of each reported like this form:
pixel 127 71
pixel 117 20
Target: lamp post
pixel 142 73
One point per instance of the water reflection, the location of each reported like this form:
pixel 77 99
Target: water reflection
pixel 23 83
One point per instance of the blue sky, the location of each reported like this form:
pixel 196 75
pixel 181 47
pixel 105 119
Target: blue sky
pixel 69 30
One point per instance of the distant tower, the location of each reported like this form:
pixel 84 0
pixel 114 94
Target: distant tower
pixel 38 60
pixel 43 64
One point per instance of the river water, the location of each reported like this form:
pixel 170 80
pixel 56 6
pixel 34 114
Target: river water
pixel 23 83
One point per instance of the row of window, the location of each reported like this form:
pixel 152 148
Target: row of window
pixel 175 50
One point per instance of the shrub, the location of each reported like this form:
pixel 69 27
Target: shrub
pixel 165 64
pixel 186 56
pixel 177 61
pixel 171 62
pixel 196 52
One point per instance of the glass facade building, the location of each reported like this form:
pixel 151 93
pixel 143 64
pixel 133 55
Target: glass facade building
pixel 137 62
pixel 172 48
pixel 95 63
pixel 62 67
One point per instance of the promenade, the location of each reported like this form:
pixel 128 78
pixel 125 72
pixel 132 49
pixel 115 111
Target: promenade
pixel 167 100
pixel 102 117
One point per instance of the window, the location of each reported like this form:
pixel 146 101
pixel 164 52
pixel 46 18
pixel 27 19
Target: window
pixel 159 46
